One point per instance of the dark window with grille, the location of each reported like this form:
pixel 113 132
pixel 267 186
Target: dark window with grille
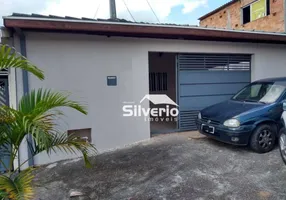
pixel 4 93
pixel 158 81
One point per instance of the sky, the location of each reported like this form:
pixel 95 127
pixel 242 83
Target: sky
pixel 167 11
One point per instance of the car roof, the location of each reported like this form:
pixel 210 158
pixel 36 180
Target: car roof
pixel 278 79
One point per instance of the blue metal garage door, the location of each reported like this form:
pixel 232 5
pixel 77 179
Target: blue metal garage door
pixel 207 79
pixel 4 100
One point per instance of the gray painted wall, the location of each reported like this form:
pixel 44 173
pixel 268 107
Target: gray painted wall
pixel 80 64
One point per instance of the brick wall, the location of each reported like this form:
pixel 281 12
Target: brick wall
pixel 230 17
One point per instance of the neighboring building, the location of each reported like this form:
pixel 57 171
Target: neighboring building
pixel 106 63
pixel 260 15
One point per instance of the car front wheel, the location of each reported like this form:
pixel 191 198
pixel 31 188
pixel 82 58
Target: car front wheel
pixel 282 144
pixel 263 139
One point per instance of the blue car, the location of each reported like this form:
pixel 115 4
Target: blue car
pixel 251 117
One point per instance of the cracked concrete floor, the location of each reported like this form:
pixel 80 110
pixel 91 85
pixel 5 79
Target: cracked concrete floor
pixel 175 166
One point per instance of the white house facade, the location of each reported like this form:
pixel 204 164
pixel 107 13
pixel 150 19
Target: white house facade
pixel 104 69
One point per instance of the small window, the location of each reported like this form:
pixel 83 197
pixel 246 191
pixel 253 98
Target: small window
pixel 246 14
pixel 256 10
pixel 84 134
pixel 158 81
pixel 267 7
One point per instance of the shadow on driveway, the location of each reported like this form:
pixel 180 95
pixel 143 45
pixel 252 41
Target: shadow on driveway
pixel 173 166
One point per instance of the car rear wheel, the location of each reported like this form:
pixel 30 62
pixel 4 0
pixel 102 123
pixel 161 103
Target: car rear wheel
pixel 263 139
pixel 282 144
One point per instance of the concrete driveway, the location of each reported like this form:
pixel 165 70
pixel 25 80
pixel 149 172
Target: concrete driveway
pixel 175 166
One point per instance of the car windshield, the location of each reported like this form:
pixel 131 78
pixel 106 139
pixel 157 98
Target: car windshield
pixel 260 92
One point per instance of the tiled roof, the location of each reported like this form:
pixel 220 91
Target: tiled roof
pixel 117 20
pixel 33 15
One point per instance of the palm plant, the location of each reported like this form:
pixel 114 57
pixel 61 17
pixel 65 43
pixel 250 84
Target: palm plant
pixel 36 116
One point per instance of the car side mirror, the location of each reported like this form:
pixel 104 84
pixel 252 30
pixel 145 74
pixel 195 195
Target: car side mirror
pixel 284 105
